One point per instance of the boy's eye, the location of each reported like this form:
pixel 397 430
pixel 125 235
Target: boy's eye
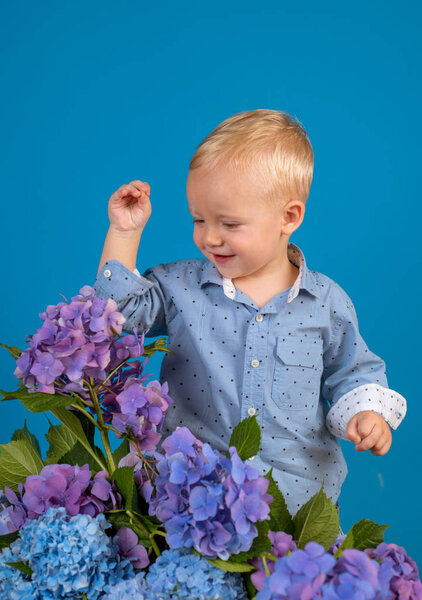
pixel 230 225
pixel 197 221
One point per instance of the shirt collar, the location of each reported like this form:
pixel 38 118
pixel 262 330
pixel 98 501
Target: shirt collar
pixel 306 279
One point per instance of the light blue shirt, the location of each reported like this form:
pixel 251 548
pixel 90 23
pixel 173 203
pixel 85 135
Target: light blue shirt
pixel 298 363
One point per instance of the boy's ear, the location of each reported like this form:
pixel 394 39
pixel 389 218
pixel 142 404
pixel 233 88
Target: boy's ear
pixel 292 216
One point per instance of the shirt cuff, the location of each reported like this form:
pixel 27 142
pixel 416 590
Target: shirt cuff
pixel 116 281
pixel 370 396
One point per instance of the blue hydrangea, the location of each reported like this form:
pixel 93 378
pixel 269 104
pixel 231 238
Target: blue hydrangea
pixel 133 589
pixel 13 583
pixel 68 556
pixel 181 574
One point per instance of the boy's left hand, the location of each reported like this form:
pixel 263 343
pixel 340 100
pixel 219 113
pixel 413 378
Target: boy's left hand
pixel 368 430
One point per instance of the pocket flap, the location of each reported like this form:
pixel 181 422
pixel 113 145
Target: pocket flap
pixel 303 353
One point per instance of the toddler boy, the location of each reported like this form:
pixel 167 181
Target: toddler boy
pixel 254 331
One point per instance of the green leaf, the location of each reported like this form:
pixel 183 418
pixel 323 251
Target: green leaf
pixel 316 521
pixel 121 519
pixel 123 476
pixel 250 588
pixel 70 421
pixel 261 543
pixel 363 534
pixel 232 567
pixel 37 402
pixel 281 519
pixel 21 566
pixel 78 455
pixel 18 459
pixel 25 434
pixel 8 538
pixel 121 451
pixel 14 351
pixel 159 345
pixel 246 437
pixel 61 440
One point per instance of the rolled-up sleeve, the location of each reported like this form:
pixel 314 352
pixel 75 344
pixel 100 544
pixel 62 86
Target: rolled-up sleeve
pixel 140 298
pixel 354 378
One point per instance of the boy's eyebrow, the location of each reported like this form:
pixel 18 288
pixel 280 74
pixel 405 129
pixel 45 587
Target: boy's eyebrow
pixel 235 218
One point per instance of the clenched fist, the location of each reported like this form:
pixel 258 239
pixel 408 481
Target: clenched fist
pixel 129 208
pixel 368 430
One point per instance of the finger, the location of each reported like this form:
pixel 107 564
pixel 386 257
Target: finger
pixel 370 440
pixel 352 432
pixel 367 423
pixel 130 190
pixel 141 186
pixel 383 450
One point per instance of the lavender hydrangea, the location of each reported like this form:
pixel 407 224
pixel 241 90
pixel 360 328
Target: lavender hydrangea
pixel 75 342
pixel 281 544
pixel 69 486
pixel 354 575
pixel 207 501
pixel 181 574
pixel 69 556
pixel 300 574
pixel 398 573
pixel 78 353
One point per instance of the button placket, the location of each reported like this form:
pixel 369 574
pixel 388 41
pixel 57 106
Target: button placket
pixel 255 368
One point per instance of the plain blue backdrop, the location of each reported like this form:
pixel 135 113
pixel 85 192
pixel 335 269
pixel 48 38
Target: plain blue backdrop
pixel 96 94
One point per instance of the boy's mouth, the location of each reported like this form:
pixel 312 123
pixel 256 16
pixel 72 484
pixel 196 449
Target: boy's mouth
pixel 222 258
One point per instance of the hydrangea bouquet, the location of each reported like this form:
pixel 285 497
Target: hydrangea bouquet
pixel 157 518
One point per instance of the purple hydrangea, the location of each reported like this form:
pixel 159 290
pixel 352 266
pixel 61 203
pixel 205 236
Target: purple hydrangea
pixel 207 501
pixel 78 347
pixel 127 541
pixel 281 544
pixel 299 575
pixel 398 573
pixel 354 575
pixel 68 486
pixel 75 342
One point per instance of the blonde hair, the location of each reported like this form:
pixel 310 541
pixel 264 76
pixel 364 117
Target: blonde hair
pixel 270 144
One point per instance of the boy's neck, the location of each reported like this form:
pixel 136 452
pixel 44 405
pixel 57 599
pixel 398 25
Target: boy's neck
pixel 262 289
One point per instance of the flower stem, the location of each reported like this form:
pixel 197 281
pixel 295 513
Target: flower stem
pixel 145 530
pixel 103 429
pixel 264 560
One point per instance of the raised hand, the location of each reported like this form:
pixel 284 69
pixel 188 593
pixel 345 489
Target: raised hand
pixel 129 208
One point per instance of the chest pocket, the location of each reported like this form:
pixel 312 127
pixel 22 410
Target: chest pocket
pixel 297 373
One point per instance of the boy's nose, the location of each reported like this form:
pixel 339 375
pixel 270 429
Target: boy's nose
pixel 212 237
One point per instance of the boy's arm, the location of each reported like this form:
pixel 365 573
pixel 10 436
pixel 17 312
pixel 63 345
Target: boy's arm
pixel 142 299
pixel 354 378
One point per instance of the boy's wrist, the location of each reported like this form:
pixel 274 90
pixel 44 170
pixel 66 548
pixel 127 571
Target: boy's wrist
pixel 133 235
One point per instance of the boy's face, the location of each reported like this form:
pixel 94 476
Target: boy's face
pixel 233 227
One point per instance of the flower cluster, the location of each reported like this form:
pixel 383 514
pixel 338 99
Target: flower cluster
pixel 205 500
pixel 183 574
pixel 76 353
pixel 75 342
pixel 281 544
pixel 300 574
pixel 398 575
pixel 177 575
pixel 63 485
pixel 68 556
pixel 381 573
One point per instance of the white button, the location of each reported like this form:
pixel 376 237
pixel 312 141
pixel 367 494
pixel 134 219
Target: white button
pixel 251 457
pixel 255 363
pixel 259 318
pixel 107 273
pixel 251 411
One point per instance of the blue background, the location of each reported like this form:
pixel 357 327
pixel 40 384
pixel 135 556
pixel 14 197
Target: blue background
pixel 97 94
